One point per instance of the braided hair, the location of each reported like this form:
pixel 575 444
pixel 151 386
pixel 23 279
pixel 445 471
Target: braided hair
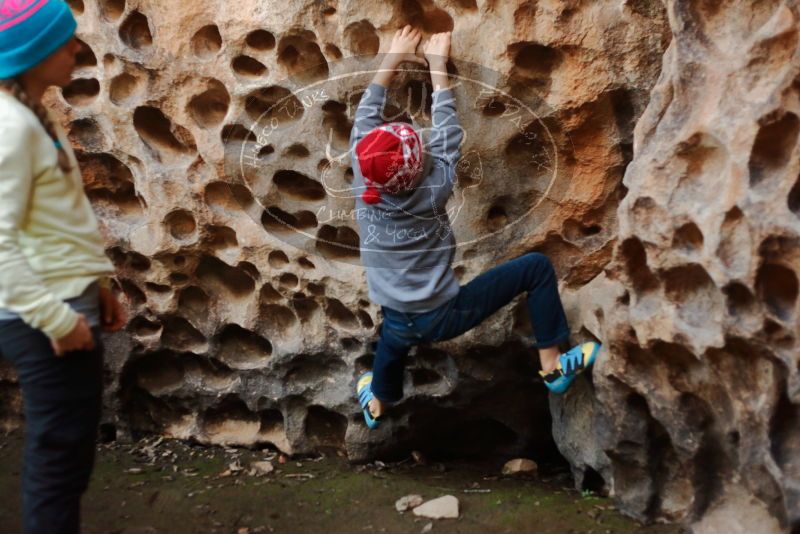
pixel 13 87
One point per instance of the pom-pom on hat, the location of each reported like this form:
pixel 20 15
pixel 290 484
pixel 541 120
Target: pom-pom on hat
pixel 30 31
pixel 390 159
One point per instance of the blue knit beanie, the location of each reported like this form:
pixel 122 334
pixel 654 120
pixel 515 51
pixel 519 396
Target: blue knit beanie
pixel 31 30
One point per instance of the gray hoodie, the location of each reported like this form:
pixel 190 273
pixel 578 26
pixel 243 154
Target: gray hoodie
pixel 407 244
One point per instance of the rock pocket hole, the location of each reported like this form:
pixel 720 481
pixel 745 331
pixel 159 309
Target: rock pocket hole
pixel 81 92
pixel 157 288
pixel 231 198
pixel 206 42
pixel 181 224
pixel 276 220
pixel 272 425
pixel 135 31
pixel 496 218
pixel 534 63
pixel 298 186
pixel 231 423
pixel 178 278
pixel 220 237
pixel 339 315
pixel 279 319
pixel 773 147
pixel 302 58
pixel 468 5
pixel 794 198
pixel 236 133
pixel 269 295
pixel 493 108
pixel 85 56
pixel 135 295
pixel 288 281
pixel 316 289
pixel 261 40
pixel 143 327
pixel 180 334
pixel 296 150
pixel 240 348
pixel 691 287
pixel 248 67
pixel 250 269
pixel 325 428
pixel 86 135
pixel 129 259
pixel 218 275
pixel 158 133
pixel 735 240
pixel 777 287
pixel 111 10
pixel 278 259
pixel 739 299
pixel 123 87
pixel 110 186
pixel 433 20
pixel 305 307
pixel 365 319
pixel 421 377
pixel 634 259
pixel 157 373
pixel 76 6
pixel 337 242
pixel 336 120
pixel 209 108
pixel 333 51
pixel 273 102
pixel 362 39
pixel 688 237
pixel 193 303
pixel 265 151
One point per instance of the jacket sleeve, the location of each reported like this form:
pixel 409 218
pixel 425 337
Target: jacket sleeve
pixel 368 115
pixel 21 291
pixel 444 147
pixel 446 132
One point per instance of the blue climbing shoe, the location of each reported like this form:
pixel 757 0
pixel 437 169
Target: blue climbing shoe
pixel 364 392
pixel 556 382
pixel 570 365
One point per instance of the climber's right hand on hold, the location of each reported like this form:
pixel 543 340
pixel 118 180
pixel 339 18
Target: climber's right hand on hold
pixel 80 338
pixel 404 46
pixel 402 49
pixel 437 49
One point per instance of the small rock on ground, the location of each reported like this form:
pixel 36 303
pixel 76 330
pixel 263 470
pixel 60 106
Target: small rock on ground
pixel 408 502
pixel 520 465
pixel 442 508
pixel 263 468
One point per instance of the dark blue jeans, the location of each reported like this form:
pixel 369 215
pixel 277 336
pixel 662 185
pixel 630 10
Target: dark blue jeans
pixel 532 273
pixel 62 399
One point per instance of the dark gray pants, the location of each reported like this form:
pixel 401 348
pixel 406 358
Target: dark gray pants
pixel 62 399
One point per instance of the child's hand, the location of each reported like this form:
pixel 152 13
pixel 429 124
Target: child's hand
pixel 404 46
pixel 437 49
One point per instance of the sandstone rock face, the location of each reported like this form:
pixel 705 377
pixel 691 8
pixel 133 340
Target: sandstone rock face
pixel 213 142
pixel 212 137
pixel 695 407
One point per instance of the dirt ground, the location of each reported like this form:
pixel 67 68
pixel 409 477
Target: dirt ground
pixel 157 486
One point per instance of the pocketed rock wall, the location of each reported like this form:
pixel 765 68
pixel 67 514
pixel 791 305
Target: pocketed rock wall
pixel 213 141
pixel 694 414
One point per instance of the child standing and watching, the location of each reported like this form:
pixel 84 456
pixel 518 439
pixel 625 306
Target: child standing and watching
pixel 54 276
pixel 407 246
